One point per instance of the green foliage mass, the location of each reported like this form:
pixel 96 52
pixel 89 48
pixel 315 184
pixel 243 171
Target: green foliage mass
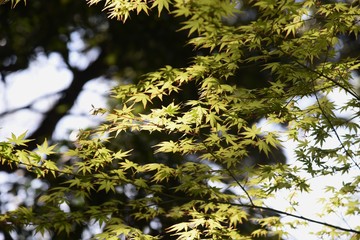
pixel 200 182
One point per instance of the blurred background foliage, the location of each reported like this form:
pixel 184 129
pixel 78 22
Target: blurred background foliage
pixel 116 52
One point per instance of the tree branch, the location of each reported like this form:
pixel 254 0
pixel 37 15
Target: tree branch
pixel 29 106
pixel 67 100
pixel 321 74
pixel 295 216
pixel 252 205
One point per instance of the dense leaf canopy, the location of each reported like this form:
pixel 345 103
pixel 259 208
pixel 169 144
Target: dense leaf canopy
pixel 182 153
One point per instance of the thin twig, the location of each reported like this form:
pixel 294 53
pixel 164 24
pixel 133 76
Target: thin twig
pixel 297 216
pixel 252 205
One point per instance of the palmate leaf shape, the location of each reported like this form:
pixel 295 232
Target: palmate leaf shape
pixel 200 179
pixel 45 148
pixel 18 140
pixel 121 9
pixel 286 32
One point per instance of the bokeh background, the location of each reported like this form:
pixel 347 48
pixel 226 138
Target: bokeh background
pixel 58 61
